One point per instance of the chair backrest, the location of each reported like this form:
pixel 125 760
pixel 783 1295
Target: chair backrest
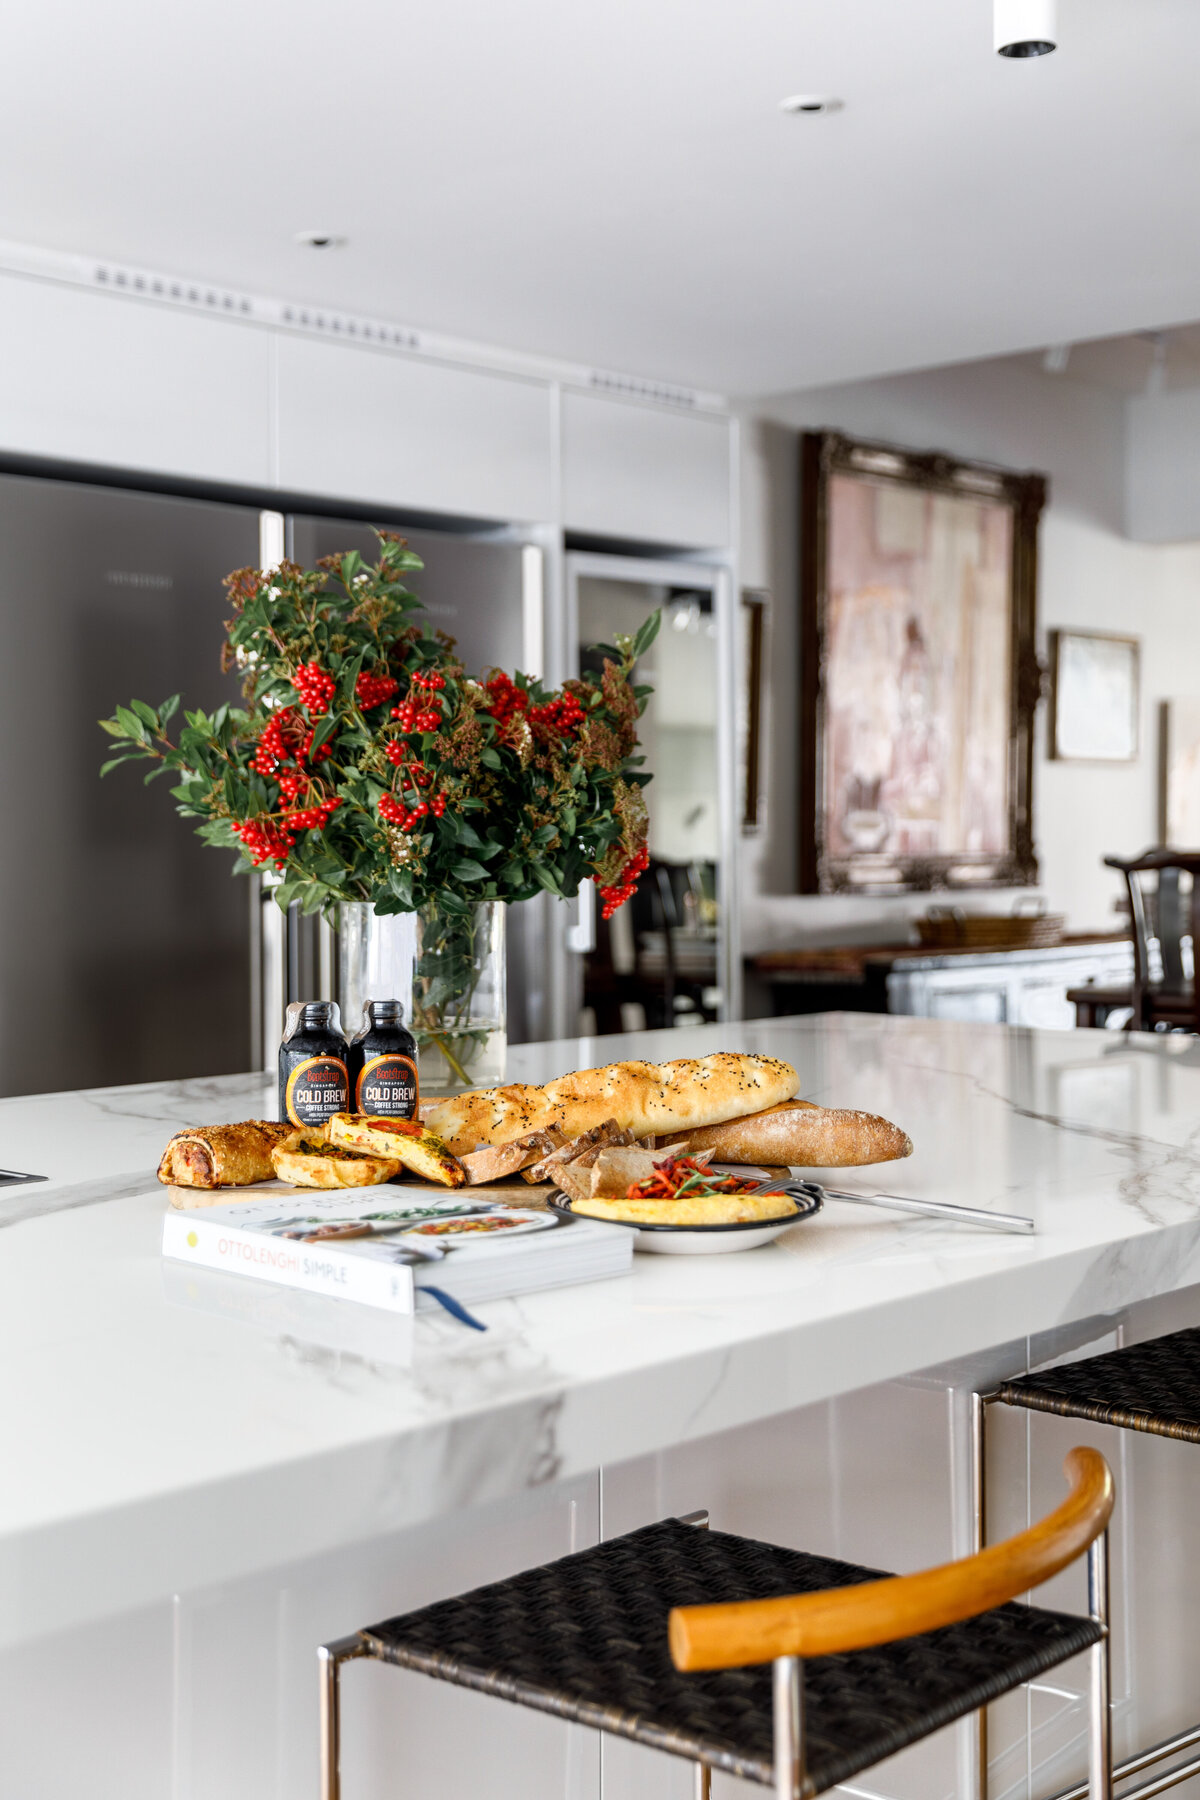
pixel 878 1612
pixel 1161 915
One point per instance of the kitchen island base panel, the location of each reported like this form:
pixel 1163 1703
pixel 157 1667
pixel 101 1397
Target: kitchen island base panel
pixel 213 1696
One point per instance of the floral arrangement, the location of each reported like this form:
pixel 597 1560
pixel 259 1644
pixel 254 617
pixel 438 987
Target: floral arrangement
pixel 366 765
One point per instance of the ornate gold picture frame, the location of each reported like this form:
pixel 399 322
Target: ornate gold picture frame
pixel 919 677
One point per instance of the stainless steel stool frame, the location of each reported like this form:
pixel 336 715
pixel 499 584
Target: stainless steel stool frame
pixel 1100 1700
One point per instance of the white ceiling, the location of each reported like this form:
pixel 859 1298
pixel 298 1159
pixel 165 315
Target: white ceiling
pixel 611 180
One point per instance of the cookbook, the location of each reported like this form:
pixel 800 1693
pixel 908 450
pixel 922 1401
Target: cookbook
pixel 382 1248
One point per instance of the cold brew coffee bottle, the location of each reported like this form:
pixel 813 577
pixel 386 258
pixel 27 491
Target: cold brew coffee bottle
pixel 314 1081
pixel 383 1064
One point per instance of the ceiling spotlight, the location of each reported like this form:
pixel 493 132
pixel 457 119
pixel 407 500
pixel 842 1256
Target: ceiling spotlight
pixel 811 103
pixel 1026 27
pixel 319 240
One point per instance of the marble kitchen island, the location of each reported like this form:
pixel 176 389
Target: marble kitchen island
pixel 203 1477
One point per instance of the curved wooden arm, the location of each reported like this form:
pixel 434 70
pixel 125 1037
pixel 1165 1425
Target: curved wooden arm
pixel 877 1612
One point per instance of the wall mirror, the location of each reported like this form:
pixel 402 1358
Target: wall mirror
pixel 919 670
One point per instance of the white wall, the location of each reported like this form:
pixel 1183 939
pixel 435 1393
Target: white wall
pixel 1163 465
pixel 1092 575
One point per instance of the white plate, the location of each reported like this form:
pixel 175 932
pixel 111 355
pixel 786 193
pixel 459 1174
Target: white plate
pixel 702 1240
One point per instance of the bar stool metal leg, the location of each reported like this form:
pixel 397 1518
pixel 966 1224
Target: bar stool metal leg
pixel 979 1537
pixel 1100 1769
pixel 789 1727
pixel 330 1658
pixel 703 1774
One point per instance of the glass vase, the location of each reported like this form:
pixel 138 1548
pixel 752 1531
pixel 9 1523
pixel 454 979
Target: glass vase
pixel 446 967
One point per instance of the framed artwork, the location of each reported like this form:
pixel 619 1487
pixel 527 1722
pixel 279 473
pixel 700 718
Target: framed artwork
pixel 919 676
pixel 1093 697
pixel 754 611
pixel 1179 774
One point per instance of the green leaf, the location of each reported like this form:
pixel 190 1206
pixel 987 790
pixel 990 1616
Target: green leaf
pixel 646 634
pixel 114 762
pixel 467 869
pixel 464 832
pixel 326 729
pixel 546 878
pixel 131 724
pixel 145 713
pixel 489 758
pixel 113 728
pixel 168 709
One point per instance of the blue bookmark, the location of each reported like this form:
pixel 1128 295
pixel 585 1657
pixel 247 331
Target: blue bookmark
pixel 452 1307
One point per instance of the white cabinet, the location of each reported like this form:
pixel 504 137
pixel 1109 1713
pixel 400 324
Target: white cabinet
pixel 368 425
pixel 1012 987
pixel 88 377
pixel 633 471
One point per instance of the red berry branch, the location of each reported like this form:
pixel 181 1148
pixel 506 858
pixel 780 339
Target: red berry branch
pixel 365 764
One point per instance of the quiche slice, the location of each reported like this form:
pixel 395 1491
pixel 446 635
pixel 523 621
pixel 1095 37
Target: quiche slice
pixel 307 1159
pixel 406 1141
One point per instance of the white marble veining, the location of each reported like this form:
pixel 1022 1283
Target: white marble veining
pixel 161 1435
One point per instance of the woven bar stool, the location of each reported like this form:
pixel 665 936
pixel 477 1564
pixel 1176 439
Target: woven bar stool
pixel 691 1641
pixel 1152 1387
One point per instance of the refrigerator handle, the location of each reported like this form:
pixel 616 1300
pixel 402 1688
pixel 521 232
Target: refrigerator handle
pixel 581 936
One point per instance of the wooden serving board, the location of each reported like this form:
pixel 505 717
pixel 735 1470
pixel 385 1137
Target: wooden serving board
pixel 511 1193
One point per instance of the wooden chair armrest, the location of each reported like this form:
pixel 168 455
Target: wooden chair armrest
pixel 878 1612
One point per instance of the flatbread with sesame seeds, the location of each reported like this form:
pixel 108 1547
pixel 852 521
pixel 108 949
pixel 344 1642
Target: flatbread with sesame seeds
pixel 641 1097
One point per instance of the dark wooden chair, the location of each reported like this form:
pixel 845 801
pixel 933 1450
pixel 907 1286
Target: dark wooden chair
pixel 1163 995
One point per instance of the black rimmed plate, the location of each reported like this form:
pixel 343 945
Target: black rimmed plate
pixel 705 1240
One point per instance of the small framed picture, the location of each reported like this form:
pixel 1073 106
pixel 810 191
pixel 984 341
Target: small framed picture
pixel 1094 699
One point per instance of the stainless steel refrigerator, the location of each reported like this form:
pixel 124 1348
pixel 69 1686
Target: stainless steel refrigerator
pixel 124 943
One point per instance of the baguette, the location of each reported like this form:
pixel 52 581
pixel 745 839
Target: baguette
pixel 641 1097
pixel 802 1136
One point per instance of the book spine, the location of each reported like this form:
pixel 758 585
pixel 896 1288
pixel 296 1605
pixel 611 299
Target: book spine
pixel 316 1268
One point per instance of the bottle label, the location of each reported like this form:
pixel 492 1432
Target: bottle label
pixel 387 1086
pixel 317 1088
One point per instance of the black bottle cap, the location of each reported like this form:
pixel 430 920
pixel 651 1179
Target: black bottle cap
pixel 385 1012
pixel 316 1014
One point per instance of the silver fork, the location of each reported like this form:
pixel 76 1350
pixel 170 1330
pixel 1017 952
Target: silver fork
pixel 930 1209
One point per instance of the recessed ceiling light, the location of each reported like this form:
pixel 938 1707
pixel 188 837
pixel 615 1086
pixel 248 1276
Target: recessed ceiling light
pixel 319 240
pixel 811 103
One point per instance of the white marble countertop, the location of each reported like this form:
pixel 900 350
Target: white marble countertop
pixel 163 1428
